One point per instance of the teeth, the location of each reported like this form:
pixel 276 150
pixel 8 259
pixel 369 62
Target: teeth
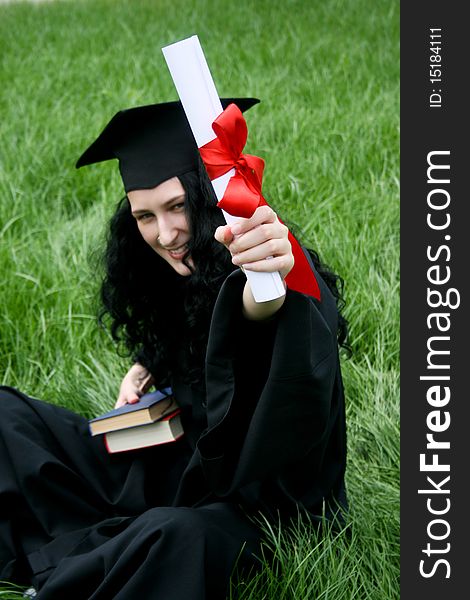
pixel 178 250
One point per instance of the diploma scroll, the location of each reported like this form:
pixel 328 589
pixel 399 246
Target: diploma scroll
pixel 201 103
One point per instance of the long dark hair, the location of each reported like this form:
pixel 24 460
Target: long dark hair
pixel 162 318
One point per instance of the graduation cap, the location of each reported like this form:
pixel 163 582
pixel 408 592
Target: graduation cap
pixel 152 143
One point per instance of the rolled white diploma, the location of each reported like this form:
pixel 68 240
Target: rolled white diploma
pixel 201 103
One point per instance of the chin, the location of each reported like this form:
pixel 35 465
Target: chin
pixel 181 268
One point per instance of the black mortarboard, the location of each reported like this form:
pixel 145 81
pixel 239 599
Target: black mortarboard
pixel 152 143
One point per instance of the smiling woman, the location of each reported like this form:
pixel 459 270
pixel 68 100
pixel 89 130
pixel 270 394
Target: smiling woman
pixel 162 221
pixel 259 388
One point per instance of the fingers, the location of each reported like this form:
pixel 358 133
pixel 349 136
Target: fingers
pixel 252 241
pixel 283 264
pixel 272 235
pixel 145 381
pixel 224 235
pixel 134 384
pixel 127 397
pixel 245 233
pixel 263 214
pixel 272 247
pixel 120 403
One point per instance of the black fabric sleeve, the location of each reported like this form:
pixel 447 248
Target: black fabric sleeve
pixel 269 387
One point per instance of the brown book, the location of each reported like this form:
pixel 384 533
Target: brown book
pixel 168 429
pixel 148 409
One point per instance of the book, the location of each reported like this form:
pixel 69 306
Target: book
pixel 148 409
pixel 167 429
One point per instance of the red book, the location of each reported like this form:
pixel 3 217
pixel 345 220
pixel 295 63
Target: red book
pixel 168 429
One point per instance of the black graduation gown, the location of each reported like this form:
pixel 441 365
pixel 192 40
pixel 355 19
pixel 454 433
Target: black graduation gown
pixel 170 522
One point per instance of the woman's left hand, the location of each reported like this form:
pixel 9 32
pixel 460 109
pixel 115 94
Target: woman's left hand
pixel 259 243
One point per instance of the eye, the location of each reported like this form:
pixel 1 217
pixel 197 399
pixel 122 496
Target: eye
pixel 145 217
pixel 178 207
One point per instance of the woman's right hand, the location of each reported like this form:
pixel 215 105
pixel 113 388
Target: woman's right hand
pixel 134 384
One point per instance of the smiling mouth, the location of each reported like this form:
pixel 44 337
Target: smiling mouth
pixel 178 252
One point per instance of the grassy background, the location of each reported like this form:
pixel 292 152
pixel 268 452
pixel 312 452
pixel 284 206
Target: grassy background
pixel 328 76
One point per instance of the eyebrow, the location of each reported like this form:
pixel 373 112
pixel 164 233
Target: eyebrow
pixel 165 204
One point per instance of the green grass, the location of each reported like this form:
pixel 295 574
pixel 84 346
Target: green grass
pixel 328 76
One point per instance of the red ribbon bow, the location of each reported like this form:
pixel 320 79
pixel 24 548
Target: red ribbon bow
pixel 243 194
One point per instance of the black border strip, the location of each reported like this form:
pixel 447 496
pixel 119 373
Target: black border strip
pixel 435 130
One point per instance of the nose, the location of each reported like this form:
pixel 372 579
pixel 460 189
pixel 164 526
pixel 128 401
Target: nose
pixel 167 232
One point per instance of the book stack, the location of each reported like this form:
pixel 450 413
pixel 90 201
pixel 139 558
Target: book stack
pixel 154 419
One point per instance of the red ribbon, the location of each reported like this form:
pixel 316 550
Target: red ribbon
pixel 243 194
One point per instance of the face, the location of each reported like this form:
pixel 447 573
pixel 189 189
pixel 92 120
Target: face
pixel 161 219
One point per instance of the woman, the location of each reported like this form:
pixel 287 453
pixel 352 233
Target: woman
pixel 259 386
